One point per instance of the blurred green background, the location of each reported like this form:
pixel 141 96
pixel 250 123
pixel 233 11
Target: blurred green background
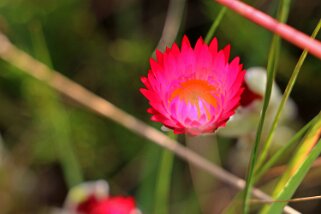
pixel 49 143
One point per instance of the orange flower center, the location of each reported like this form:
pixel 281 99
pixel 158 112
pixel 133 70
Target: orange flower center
pixel 193 90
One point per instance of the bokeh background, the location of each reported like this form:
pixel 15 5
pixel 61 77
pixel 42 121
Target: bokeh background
pixel 49 143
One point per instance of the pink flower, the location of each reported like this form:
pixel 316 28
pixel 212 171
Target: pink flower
pixel 107 205
pixel 93 198
pixel 193 91
pixel 87 205
pixel 115 205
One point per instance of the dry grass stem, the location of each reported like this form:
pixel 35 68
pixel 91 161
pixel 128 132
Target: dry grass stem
pixel 172 23
pixel 294 200
pixel 82 96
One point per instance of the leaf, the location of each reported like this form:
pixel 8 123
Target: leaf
pixel 285 97
pixel 299 166
pixel 271 71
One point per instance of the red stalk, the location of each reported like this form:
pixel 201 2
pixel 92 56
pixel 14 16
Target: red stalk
pixel 285 31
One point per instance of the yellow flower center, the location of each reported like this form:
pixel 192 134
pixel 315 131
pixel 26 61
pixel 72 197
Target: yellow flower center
pixel 193 90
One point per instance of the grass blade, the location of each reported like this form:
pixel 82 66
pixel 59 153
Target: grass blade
pixel 215 24
pixel 299 166
pixel 51 114
pixel 285 97
pixel 273 160
pixel 271 70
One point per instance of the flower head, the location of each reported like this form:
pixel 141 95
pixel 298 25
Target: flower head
pixel 115 205
pixel 93 198
pixel 193 91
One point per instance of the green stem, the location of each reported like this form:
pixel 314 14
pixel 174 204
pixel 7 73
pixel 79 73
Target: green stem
pixel 215 24
pixel 52 109
pixel 271 70
pixel 253 158
pixel 280 153
pixel 285 97
pixel 67 157
pixel 163 182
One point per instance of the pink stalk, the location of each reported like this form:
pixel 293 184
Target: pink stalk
pixel 286 32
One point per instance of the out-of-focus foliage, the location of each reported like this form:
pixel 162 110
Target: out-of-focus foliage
pixel 49 142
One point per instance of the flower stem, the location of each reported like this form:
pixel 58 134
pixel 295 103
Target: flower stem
pixel 163 182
